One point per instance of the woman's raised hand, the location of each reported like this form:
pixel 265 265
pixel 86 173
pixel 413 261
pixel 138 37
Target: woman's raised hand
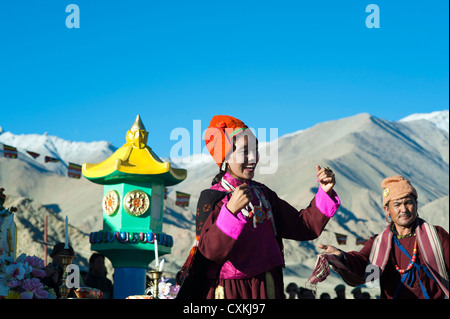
pixel 326 178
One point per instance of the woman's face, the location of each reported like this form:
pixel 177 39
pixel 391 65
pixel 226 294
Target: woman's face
pixel 242 162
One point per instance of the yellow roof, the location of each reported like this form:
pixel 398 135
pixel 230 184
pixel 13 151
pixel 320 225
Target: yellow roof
pixel 134 161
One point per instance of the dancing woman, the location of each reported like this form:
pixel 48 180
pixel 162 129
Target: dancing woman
pixel 238 253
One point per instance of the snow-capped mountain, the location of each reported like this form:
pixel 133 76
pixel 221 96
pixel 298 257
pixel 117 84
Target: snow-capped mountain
pixel 438 118
pixel 94 152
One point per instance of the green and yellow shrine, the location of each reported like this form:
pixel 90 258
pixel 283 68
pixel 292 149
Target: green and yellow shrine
pixel 134 178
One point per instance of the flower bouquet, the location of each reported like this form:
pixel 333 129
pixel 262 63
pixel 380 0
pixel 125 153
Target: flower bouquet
pixel 21 278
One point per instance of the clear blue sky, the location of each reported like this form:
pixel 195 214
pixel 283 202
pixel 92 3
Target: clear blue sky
pixel 281 64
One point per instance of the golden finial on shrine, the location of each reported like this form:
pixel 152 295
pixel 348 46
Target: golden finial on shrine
pixel 137 135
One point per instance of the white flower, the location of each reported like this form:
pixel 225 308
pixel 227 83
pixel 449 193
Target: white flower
pixel 16 271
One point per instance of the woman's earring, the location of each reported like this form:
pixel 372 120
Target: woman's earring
pixel 224 166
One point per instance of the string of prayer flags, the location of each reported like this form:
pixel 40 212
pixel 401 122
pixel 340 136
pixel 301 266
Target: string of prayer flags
pixel 341 238
pixel 9 151
pixel 182 199
pixel 74 171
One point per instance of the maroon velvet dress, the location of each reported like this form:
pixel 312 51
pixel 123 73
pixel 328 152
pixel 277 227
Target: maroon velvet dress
pixel 242 257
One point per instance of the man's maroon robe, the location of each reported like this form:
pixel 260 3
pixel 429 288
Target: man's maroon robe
pixel 390 277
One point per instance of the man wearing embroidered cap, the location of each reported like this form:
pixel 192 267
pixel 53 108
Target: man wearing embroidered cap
pixel 240 223
pixel 411 255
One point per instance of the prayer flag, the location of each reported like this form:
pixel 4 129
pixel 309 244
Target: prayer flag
pixel 341 239
pixel 33 154
pixel 51 159
pixel 182 199
pixel 74 170
pixel 9 151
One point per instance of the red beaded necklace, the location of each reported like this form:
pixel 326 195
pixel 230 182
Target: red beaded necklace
pixel 411 263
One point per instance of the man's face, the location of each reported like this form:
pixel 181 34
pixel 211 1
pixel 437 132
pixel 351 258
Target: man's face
pixel 403 211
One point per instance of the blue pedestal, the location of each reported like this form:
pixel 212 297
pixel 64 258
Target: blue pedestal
pixel 129 281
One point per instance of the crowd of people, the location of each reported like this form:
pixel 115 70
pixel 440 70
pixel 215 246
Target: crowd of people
pixel 295 292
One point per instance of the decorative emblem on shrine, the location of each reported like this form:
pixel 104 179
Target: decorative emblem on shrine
pixel 136 203
pixel 111 202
